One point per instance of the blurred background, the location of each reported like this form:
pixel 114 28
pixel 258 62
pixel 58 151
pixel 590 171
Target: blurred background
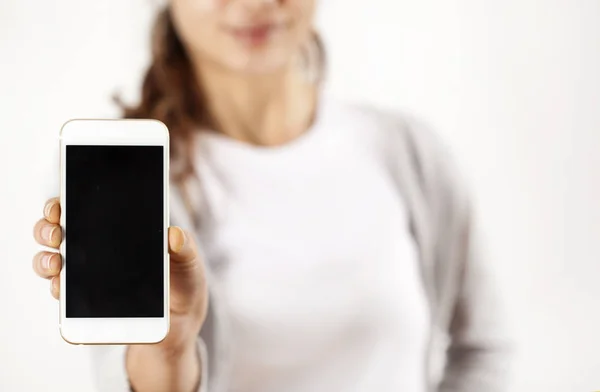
pixel 513 86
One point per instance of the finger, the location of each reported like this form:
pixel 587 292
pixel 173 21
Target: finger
pixel 52 210
pixel 47 264
pixel 55 287
pixel 181 246
pixel 47 234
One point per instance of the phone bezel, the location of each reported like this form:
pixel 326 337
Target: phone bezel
pixel 114 330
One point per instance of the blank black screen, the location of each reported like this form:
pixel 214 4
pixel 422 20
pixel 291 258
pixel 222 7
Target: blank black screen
pixel 114 231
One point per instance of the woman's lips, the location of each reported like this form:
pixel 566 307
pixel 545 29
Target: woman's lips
pixel 255 35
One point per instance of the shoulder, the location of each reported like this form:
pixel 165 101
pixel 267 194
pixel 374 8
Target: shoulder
pixel 368 128
pixel 417 154
pixel 384 122
pixel 370 119
pixel 399 132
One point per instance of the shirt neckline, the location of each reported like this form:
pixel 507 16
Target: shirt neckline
pixel 219 141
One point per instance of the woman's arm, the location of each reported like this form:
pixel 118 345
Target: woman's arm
pixel 164 367
pixel 467 299
pixel 479 354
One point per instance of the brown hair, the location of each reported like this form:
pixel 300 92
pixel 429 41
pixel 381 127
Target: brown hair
pixel 172 94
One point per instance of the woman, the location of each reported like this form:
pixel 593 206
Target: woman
pixel 337 243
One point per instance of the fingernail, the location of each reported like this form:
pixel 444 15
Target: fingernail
pixel 48 209
pixel 177 247
pixel 47 232
pixel 46 261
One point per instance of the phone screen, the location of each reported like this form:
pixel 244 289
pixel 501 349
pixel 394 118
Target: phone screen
pixel 114 231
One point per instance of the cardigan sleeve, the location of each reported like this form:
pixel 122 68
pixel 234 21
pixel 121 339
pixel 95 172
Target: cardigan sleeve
pixel 469 298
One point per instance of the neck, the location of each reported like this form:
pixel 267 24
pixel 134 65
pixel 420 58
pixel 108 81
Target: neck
pixel 265 110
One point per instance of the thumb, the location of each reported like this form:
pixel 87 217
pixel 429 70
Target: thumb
pixel 181 246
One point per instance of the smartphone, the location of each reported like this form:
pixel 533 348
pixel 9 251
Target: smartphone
pixel 114 200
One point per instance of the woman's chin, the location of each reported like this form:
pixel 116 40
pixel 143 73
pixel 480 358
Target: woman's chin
pixel 260 62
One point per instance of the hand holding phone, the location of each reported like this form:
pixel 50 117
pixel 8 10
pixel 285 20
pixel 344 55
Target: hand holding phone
pixel 188 286
pixel 99 306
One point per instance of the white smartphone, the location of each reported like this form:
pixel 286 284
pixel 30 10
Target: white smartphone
pixel 114 200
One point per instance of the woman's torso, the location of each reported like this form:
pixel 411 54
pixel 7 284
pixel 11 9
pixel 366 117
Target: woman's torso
pixel 310 246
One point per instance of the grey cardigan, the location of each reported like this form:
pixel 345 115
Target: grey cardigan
pixel 468 349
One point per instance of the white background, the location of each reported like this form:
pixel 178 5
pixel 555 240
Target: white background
pixel 513 86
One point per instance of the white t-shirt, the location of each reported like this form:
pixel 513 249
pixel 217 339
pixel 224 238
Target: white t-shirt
pixel 309 243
